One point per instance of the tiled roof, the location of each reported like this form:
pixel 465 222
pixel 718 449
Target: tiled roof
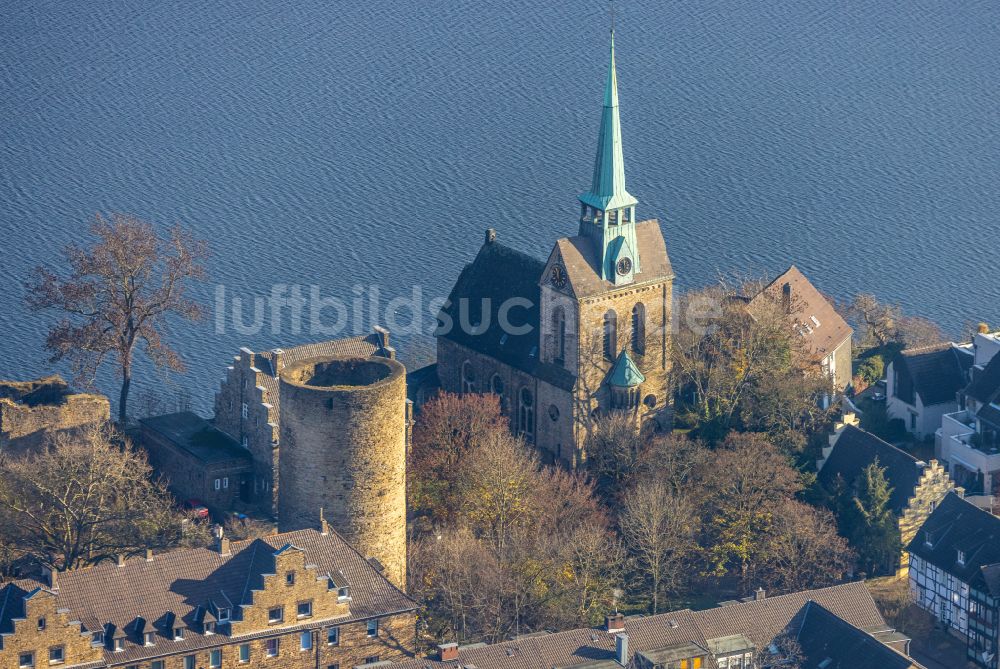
pixel 814 317
pixel 582 259
pixel 938 371
pixel 181 581
pixel 196 435
pixel 833 643
pixel 958 525
pixel 759 620
pixel 985 385
pixel 498 274
pixel 855 449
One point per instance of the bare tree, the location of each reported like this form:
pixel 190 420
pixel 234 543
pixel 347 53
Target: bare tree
pixel 614 446
pixel 658 527
pixel 117 294
pixel 87 498
pixel 803 550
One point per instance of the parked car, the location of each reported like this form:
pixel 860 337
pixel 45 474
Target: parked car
pixel 196 507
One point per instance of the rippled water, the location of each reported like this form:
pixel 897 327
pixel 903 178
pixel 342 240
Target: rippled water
pixel 343 143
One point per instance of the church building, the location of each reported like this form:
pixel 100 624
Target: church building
pixel 573 338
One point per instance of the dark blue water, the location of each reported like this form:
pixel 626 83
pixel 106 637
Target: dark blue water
pixel 348 143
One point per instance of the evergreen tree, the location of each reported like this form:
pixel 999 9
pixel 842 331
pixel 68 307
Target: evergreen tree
pixel 871 524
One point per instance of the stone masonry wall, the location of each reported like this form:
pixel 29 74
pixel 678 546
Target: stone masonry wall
pixel 934 484
pixel 343 449
pixel 43 628
pixel 25 427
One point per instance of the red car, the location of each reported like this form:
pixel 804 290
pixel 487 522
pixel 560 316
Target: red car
pixel 197 508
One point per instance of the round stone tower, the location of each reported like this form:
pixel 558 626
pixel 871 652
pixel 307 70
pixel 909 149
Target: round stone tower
pixel 343 449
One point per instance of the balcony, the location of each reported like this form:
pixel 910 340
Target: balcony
pixel 960 444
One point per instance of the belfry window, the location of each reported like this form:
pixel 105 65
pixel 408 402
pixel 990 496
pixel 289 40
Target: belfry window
pixel 639 328
pixel 559 335
pixel 610 334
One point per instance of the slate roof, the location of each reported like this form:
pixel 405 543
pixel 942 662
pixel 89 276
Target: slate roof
pixel 581 257
pixel 938 371
pixel 826 638
pixel 194 434
pixel 990 413
pixel 812 315
pixel 759 620
pixel 958 525
pixel 498 274
pixel 985 385
pixel 181 581
pixel 855 449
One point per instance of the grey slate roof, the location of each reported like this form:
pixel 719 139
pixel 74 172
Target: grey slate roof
pixel 826 638
pixel 181 581
pixel 855 449
pixel 958 525
pixel 985 385
pixel 938 371
pixel 760 621
pixel 194 434
pixel 498 274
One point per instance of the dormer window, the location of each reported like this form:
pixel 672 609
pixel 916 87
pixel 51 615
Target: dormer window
pixel 960 558
pixel 290 578
pixel 223 615
pixel 119 644
pixel 149 638
pixel 344 593
pixel 178 634
pixel 209 627
pixel 97 639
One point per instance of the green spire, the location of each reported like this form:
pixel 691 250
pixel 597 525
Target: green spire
pixel 607 188
pixel 624 373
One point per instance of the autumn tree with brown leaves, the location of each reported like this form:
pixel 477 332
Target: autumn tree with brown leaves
pixel 119 294
pixel 86 498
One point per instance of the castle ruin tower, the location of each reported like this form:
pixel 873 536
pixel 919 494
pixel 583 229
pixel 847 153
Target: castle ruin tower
pixel 343 449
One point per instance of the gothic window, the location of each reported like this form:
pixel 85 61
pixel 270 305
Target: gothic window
pixel 468 378
pixel 559 335
pixel 496 385
pixel 526 414
pixel 639 328
pixel 610 334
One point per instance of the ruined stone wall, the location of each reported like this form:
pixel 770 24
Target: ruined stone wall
pixel 24 427
pixel 343 449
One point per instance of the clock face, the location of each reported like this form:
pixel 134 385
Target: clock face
pixel 558 276
pixel 624 266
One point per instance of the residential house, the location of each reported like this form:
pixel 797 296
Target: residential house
pixel 968 440
pixel 826 337
pixel 923 385
pixel 197 460
pixel 955 574
pixel 836 628
pixel 300 600
pixel 917 487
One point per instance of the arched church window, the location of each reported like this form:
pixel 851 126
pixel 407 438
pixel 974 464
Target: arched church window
pixel 468 378
pixel 559 334
pixel 639 328
pixel 610 334
pixel 496 385
pixel 526 414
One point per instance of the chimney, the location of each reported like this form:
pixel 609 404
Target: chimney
pixel 120 560
pixel 383 336
pixel 759 595
pixel 276 361
pixel 221 540
pixel 491 236
pixel 621 649
pixel 615 622
pixel 324 527
pixel 53 576
pixel 447 652
pixel 149 555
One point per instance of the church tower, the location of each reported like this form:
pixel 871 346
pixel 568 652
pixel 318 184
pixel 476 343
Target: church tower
pixel 607 210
